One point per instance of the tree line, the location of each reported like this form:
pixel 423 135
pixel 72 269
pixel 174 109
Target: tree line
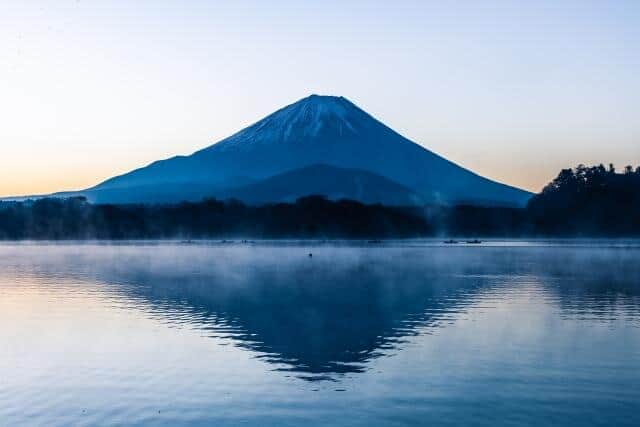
pixel 583 201
pixel 313 216
pixel 587 201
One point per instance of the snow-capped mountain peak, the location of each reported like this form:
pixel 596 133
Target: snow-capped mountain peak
pixel 317 130
pixel 310 118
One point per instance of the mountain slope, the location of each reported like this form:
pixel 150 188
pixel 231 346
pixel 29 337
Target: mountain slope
pixel 315 130
pixel 335 183
pixel 321 130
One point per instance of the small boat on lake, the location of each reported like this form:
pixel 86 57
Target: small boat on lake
pixel 474 242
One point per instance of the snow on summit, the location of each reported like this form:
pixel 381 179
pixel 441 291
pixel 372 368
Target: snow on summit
pixel 313 117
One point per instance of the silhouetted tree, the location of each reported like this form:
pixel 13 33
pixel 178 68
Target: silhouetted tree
pixel 589 201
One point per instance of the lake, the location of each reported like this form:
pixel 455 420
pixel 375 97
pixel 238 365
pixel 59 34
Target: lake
pixel 358 334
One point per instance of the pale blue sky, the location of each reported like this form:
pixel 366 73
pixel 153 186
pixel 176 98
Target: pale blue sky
pixel 512 90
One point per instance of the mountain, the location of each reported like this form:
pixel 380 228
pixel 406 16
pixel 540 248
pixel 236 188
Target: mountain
pixel 316 130
pixel 330 181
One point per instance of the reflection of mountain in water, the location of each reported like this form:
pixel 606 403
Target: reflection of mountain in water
pixel 321 327
pixel 309 316
pixel 336 311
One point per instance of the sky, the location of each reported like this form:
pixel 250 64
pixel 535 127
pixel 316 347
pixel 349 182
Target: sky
pixel 512 90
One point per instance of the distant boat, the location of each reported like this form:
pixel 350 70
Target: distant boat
pixel 474 242
pixel 450 242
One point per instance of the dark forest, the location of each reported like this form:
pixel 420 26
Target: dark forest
pixel 580 202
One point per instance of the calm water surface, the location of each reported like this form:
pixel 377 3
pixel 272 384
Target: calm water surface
pixel 407 333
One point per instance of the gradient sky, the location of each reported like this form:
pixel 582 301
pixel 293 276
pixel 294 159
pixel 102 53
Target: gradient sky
pixel 512 90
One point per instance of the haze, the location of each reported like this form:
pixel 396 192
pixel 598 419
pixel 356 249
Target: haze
pixel 511 90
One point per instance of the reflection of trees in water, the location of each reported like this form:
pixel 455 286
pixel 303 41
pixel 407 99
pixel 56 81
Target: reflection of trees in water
pixel 334 313
pixel 594 284
pixel 321 318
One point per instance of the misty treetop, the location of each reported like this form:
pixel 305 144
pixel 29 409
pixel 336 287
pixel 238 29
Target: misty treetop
pixel 584 201
pixel 313 216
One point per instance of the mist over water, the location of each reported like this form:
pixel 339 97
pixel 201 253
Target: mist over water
pixel 404 333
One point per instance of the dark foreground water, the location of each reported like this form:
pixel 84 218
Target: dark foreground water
pixel 360 335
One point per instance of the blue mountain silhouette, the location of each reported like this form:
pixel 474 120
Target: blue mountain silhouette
pixel 317 130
